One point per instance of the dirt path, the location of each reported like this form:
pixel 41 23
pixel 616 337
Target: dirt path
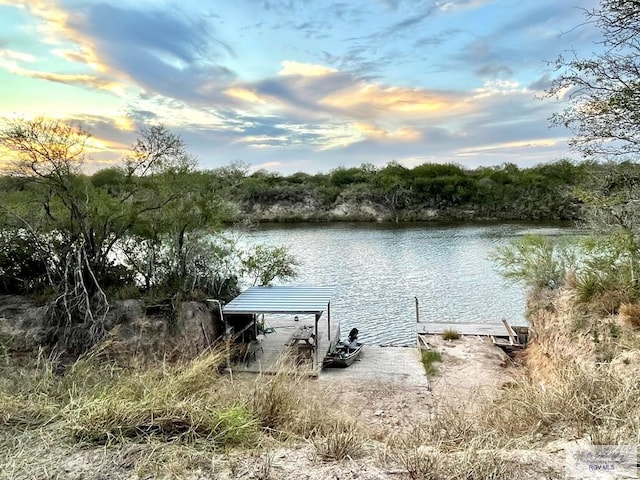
pixel 472 368
pixel 388 388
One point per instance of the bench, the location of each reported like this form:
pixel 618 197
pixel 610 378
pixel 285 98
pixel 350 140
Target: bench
pixel 303 333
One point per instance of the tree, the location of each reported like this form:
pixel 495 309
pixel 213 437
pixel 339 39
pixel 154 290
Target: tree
pixel 74 222
pixel 536 261
pixel 262 264
pixel 611 197
pixel 603 92
pixel 393 189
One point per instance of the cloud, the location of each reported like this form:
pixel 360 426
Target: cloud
pixel 436 40
pixel 305 69
pixel 11 61
pixel 541 84
pixel 327 109
pixel 163 51
pixel 532 37
pixel 493 70
pixel 13 56
pixel 455 5
pixel 366 100
pixel 159 50
pixel 400 134
pixel 54 29
pixel 411 21
pixel 390 79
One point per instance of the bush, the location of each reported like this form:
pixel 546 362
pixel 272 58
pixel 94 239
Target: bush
pixel 450 335
pixel 23 268
pixel 429 357
pixel 343 441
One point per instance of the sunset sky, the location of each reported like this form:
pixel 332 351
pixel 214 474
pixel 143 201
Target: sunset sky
pixel 298 85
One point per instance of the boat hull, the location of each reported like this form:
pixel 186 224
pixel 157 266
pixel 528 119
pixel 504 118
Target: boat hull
pixel 341 356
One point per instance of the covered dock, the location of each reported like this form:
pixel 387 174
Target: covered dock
pixel 287 321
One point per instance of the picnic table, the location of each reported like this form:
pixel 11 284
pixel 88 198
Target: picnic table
pixel 303 339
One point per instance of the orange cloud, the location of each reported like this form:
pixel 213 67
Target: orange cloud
pixel 244 94
pixel 405 134
pixel 55 30
pixel 100 83
pixel 366 100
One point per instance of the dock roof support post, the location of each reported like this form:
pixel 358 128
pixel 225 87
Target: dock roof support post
pixel 316 342
pixel 329 322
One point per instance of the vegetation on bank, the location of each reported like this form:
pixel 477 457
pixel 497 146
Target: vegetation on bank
pixel 147 227
pixel 425 192
pixel 186 421
pixel 150 226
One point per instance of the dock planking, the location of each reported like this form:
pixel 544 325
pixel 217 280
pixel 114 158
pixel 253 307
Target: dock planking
pixel 484 329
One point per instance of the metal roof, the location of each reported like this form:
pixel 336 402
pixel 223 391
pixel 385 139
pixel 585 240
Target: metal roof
pixel 281 299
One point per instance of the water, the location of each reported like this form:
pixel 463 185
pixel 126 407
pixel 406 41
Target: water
pixel 379 269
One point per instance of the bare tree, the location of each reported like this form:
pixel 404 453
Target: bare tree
pixel 603 91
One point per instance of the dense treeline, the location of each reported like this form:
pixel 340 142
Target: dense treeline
pixel 393 193
pixel 397 193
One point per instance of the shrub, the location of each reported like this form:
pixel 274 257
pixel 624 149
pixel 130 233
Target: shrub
pixel 450 335
pixel 429 357
pixel 343 441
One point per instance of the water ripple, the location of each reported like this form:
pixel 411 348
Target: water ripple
pixel 379 269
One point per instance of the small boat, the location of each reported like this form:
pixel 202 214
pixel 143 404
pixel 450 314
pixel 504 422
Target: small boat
pixel 341 356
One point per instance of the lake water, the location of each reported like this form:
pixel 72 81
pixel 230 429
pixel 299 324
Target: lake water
pixel 379 269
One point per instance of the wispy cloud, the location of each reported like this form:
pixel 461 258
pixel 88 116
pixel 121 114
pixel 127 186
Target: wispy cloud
pixel 12 61
pixel 286 83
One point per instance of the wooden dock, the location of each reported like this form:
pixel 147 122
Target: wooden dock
pixel 281 347
pixel 517 335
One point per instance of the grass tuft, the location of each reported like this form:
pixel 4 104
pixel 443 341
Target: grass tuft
pixel 630 315
pixel 343 441
pixel 182 403
pixel 450 334
pixel 429 357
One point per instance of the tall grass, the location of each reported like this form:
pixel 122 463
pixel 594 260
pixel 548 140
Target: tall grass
pixel 450 334
pixel 175 414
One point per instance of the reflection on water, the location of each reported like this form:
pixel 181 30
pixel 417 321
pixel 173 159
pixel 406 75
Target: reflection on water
pixel 378 270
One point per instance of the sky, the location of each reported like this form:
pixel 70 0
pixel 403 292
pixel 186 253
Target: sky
pixel 298 85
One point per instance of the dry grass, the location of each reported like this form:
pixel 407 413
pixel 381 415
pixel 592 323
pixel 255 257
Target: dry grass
pixel 344 440
pixel 99 419
pixel 154 420
pixel 630 315
pixel 428 454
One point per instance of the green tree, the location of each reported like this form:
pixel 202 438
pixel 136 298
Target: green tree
pixel 611 195
pixel 393 188
pixel 536 261
pixel 262 264
pixel 75 221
